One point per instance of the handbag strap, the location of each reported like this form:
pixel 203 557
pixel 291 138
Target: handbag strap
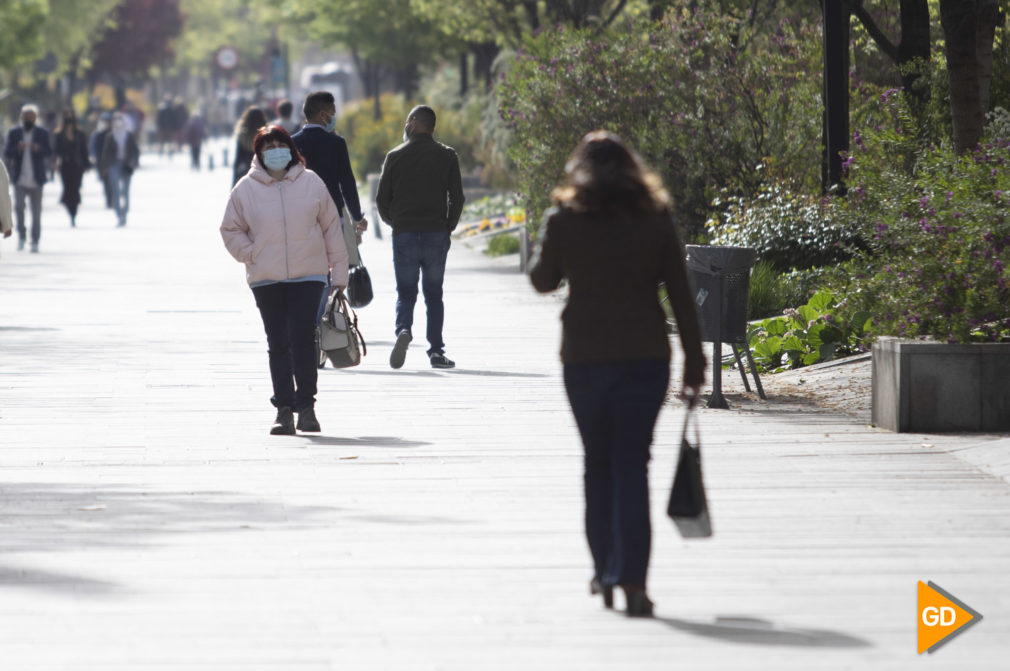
pixel 690 415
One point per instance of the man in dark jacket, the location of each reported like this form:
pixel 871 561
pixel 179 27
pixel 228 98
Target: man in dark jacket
pixel 26 153
pixel 325 154
pixel 421 196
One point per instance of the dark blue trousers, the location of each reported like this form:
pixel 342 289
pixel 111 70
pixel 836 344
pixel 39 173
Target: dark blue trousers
pixel 421 255
pixel 288 310
pixel 616 405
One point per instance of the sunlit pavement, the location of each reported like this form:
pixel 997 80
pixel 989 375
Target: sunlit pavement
pixel 147 519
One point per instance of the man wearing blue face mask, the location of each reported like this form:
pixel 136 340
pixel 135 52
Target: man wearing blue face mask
pixel 326 154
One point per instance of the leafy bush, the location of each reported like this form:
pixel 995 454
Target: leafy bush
pixel 699 96
pixel 789 230
pixel 937 229
pixel 501 245
pixel 818 331
pixel 369 140
pixel 764 297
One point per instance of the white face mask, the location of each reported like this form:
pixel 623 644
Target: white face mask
pixel 118 124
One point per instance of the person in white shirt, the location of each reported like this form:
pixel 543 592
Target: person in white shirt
pixel 26 152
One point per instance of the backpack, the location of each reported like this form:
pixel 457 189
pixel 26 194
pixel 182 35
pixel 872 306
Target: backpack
pixel 339 337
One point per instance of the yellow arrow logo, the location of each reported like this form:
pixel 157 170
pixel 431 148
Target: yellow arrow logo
pixel 941 616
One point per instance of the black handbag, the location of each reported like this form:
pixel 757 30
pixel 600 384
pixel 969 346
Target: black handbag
pixel 688 506
pixel 359 286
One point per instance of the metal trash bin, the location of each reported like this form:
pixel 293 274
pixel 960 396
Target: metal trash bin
pixel 720 277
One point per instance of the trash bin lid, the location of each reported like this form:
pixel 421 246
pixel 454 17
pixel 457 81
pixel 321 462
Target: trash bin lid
pixel 715 260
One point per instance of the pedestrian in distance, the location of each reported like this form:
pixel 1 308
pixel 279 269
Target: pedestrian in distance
pixel 27 152
pixel 285 109
pixel 96 144
pixel 195 133
pixel 249 124
pixel 420 196
pixel 612 236
pixel 72 154
pixel 120 158
pixel 165 122
pixel 283 225
pixel 6 216
pixel 325 154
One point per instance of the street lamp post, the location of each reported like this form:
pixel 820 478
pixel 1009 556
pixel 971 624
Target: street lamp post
pixel 836 92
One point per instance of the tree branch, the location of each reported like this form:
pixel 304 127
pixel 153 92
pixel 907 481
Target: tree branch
pixel 613 14
pixel 884 44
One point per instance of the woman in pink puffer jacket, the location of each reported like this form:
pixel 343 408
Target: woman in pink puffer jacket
pixel 283 225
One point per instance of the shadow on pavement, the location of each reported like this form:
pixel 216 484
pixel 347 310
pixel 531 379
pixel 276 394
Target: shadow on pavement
pixel 491 373
pixel 55 582
pixel 27 328
pixel 45 517
pixel 358 371
pixel 366 441
pixel 756 631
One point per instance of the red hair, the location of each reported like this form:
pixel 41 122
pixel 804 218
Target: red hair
pixel 269 133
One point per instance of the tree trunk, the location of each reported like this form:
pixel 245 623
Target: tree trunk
pixel 968 28
pixel 484 55
pixel 913 50
pixel 464 67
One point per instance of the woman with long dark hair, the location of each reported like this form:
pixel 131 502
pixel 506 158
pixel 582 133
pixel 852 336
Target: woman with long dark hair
pixel 250 123
pixel 283 225
pixel 72 154
pixel 611 234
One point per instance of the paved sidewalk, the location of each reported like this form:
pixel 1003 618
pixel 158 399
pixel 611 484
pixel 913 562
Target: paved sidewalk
pixel 147 520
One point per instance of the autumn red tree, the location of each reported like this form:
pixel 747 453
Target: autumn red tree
pixel 142 36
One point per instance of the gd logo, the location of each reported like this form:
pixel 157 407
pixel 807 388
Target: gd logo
pixel 941 616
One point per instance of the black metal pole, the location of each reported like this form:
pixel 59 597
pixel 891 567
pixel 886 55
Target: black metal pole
pixel 836 90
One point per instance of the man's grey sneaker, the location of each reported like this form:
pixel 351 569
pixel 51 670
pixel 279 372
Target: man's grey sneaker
pixel 399 353
pixel 441 361
pixel 307 421
pixel 284 425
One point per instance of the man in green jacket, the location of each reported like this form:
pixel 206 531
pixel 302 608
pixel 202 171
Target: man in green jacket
pixel 421 196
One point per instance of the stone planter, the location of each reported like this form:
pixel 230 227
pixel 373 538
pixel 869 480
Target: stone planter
pixel 927 386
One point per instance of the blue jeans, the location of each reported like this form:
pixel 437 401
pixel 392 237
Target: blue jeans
pixel 616 405
pixel 119 179
pixel 35 196
pixel 288 310
pixel 421 255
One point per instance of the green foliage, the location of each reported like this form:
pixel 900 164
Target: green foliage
pixel 765 291
pixel 788 229
pixel 937 231
pixel 369 139
pixel 699 96
pixel 815 332
pixel 22 23
pixel 501 245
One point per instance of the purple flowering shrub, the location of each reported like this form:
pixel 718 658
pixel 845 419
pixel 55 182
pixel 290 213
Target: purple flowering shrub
pixel 699 96
pixel 937 227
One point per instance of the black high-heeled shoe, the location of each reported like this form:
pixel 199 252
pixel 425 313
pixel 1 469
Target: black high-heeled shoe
pixel 596 587
pixel 639 604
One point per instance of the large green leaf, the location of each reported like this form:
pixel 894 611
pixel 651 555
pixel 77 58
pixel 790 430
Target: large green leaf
pixel 775 326
pixel 808 314
pixel 822 301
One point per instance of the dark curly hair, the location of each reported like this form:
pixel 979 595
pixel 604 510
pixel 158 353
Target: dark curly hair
pixel 604 174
